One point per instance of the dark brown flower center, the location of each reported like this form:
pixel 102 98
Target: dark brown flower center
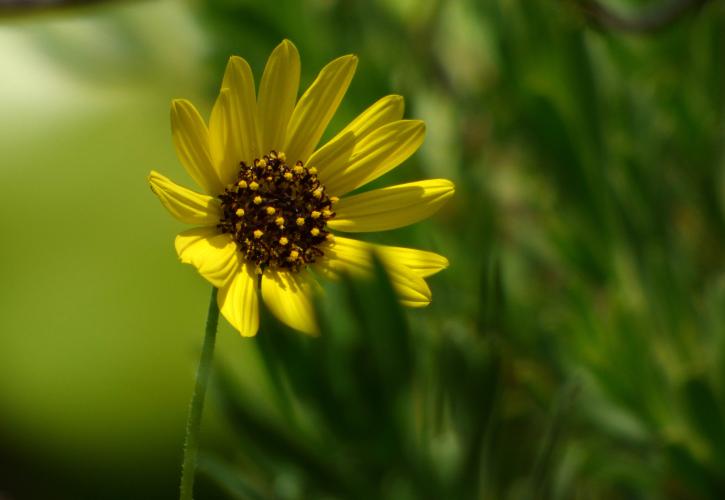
pixel 277 214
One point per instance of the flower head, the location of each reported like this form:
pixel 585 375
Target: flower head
pixel 271 198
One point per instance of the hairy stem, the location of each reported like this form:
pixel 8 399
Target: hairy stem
pixel 196 407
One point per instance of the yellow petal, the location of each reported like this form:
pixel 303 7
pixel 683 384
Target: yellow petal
pixel 346 255
pixel 412 290
pixel 214 254
pixel 239 80
pixel 379 152
pixel 238 301
pixel 287 295
pixel 391 207
pixel 421 262
pixel 191 139
pixel 184 204
pixel 386 110
pixel 224 143
pixel 317 106
pixel 335 155
pixel 277 95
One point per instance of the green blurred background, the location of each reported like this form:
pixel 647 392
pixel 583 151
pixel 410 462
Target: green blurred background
pixel 576 344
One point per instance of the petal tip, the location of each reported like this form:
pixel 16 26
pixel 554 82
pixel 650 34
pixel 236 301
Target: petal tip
pixel 247 334
pixel 415 128
pixel 287 44
pixel 396 99
pixel 235 62
pixel 444 187
pixel 178 104
pixel 153 177
pixel 449 189
pixel 350 59
pixel 448 184
pixel 417 304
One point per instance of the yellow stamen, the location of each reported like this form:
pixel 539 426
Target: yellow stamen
pixel 300 221
pixel 242 184
pixel 298 169
pixel 257 233
pixel 330 237
pixel 314 231
pixel 312 170
pixel 315 214
pixel 283 241
pixel 262 162
pixel 281 156
pixel 288 176
pixel 327 213
pixel 270 210
pixel 279 221
pixel 240 212
pixel 253 186
pixel 257 200
pixel 293 255
pixel 317 193
pixel 334 199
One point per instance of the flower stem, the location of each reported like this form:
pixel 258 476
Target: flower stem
pixel 196 407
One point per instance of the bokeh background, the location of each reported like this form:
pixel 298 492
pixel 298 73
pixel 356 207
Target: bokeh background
pixel 574 348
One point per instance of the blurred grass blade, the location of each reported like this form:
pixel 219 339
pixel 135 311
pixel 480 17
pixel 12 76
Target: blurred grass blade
pixel 706 415
pixel 274 439
pixel 545 465
pixel 229 479
pixel 493 301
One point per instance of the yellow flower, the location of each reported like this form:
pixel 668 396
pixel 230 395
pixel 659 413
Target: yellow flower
pixel 269 142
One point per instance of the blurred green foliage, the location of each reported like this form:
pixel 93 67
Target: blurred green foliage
pixel 367 410
pixel 574 349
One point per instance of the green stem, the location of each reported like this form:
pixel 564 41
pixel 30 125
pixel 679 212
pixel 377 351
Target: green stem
pixel 196 407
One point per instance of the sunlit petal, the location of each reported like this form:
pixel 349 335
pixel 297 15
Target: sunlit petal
pixel 191 139
pixel 184 204
pixel 238 301
pixel 346 255
pixel 224 143
pixel 288 296
pixel 376 154
pixel 391 207
pixel 277 95
pixel 213 254
pixel 317 106
pixel 239 80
